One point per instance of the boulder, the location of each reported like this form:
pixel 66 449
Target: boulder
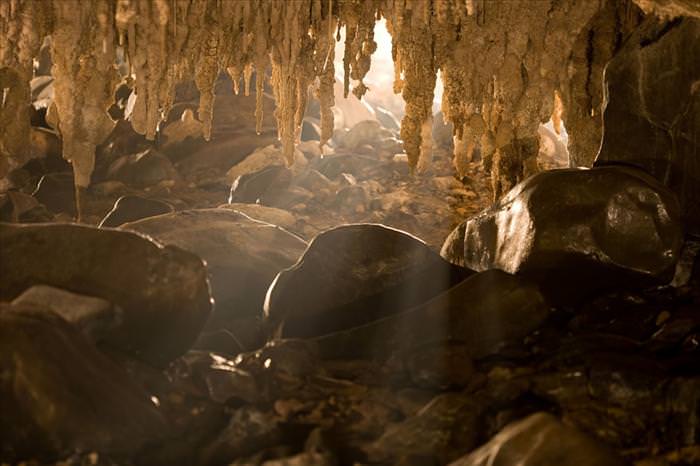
pixel 577 231
pixel 266 186
pixel 242 255
pixel 272 215
pixel 95 317
pixel 57 192
pixel 352 275
pixel 539 440
pixel 654 123
pixel 63 395
pixel 131 208
pixel 479 315
pixel 143 169
pixel 162 291
pixel 262 158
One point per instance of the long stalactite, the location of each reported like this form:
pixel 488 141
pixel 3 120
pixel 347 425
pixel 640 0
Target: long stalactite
pixel 501 64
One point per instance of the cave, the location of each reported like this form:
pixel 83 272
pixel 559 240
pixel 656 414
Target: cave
pixel 350 232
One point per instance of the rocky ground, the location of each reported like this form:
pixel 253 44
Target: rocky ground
pixel 330 343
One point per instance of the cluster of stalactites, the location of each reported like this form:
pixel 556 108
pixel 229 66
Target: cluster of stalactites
pixel 500 62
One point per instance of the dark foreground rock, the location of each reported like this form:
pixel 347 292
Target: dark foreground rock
pixel 482 313
pixel 163 291
pixel 577 231
pixel 131 208
pixel 242 255
pixel 539 440
pixel 59 394
pixel 352 275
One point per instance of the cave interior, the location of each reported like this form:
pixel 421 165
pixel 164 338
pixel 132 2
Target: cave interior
pixel 494 205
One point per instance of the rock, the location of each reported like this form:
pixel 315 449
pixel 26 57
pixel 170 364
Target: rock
pixel 360 166
pixel 248 431
pixel 352 275
pixel 654 124
pixel 162 291
pixel 143 169
pixel 63 395
pixel 313 181
pixel 484 313
pixel 453 247
pixel 387 119
pixel 611 225
pixel 540 439
pixel 265 186
pixel 57 192
pixel 352 199
pixel 242 255
pixel 272 215
pixel 131 208
pixel 441 366
pixel 15 206
pixel 365 132
pixel 95 317
pixel 262 158
pixel 441 431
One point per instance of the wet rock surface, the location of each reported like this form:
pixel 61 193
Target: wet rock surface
pixel 352 275
pixel 609 225
pixel 242 254
pixel 162 291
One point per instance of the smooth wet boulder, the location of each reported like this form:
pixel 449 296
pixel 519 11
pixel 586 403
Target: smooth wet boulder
pixel 577 231
pixel 352 275
pixel 482 314
pixel 59 394
pixel 541 440
pixel 162 291
pixel 131 208
pixel 266 186
pixel 242 255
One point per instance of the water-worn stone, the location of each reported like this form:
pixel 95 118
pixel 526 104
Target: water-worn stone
pixel 539 440
pixel 143 169
pixel 654 123
pixel 352 275
pixel 163 291
pixel 95 317
pixel 483 313
pixel 262 158
pixel 57 192
pixel 242 255
pixel 266 186
pixel 131 208
pixel 577 231
pixel 266 214
pixel 59 394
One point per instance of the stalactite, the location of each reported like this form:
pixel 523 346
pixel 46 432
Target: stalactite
pixel 500 63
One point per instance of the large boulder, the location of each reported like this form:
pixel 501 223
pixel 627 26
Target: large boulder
pixel 352 275
pixel 59 394
pixel 481 314
pixel 577 231
pixel 243 256
pixel 162 291
pixel 541 440
pixel 654 124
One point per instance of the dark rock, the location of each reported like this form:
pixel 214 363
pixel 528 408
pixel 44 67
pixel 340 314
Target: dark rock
pixel 578 231
pixel 131 208
pixel 242 255
pixel 63 395
pixel 444 429
pixel 484 313
pixel 538 440
pixel 16 206
pixel 441 366
pixel 654 123
pixel 95 317
pixel 163 291
pixel 352 199
pixel 352 275
pixel 387 119
pixel 57 192
pixel 143 169
pixel 314 181
pixel 359 166
pixel 266 186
